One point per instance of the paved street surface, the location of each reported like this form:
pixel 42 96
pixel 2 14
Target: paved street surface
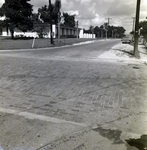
pixel 69 99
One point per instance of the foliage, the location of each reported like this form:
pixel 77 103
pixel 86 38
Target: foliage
pixel 111 31
pixel 143 29
pixel 57 7
pixel 69 20
pixel 41 33
pixel 17 15
pixel 90 30
pixel 120 31
pixel 143 26
pixel 2 24
pixel 97 31
pixel 68 36
pixel 35 18
pixel 44 12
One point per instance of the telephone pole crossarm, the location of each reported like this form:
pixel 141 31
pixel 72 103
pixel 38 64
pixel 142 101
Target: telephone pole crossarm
pixel 108 20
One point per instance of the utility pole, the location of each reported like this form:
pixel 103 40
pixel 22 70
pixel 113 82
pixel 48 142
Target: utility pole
pixel 101 33
pixel 108 20
pixel 133 28
pixel 92 29
pixel 51 31
pixel 136 52
pixel 107 25
pixel 58 27
pixel 105 28
pixel 77 30
pixel 106 34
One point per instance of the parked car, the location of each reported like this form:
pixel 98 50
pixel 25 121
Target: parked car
pixel 126 39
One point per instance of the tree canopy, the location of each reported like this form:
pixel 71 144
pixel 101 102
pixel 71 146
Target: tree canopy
pixel 17 14
pixel 69 20
pixel 143 27
pixel 112 31
pixel 44 12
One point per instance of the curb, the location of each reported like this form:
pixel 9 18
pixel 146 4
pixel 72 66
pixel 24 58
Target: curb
pixel 51 47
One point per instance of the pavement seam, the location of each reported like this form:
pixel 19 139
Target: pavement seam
pixel 39 117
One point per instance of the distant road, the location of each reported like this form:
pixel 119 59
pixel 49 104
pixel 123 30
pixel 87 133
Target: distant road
pixel 89 50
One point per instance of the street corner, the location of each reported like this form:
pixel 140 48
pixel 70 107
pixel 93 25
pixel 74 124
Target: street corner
pixel 21 132
pixel 124 53
pixel 120 52
pixel 130 131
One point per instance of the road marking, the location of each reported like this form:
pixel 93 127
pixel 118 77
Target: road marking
pixel 38 117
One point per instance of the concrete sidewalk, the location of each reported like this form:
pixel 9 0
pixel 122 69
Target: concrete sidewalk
pixel 37 132
pixel 40 134
pixel 124 53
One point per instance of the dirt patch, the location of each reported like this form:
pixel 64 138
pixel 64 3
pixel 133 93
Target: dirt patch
pixel 113 135
pixel 140 143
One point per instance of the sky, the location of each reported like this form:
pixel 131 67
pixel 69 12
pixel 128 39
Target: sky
pixel 96 12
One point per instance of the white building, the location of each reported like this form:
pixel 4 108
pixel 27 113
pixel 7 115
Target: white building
pixel 65 32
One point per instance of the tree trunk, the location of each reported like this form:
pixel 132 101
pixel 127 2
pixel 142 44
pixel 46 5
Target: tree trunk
pixel 12 34
pixel 12 30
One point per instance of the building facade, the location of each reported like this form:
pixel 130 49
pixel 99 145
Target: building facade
pixel 43 30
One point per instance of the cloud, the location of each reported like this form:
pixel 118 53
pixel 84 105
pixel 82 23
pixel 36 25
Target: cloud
pixel 85 11
pixel 1 2
pixel 96 21
pixel 38 4
pixel 94 12
pixel 85 8
pixel 121 8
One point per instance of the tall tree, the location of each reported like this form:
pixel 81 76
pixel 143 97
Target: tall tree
pixel 143 26
pixel 17 15
pixel 120 31
pixel 69 20
pixel 56 11
pixel 97 31
pixel 57 7
pixel 44 12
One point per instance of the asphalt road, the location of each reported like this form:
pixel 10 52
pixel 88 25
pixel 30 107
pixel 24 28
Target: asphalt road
pixel 80 51
pixel 72 84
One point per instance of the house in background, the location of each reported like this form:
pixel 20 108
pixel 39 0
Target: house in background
pixel 43 30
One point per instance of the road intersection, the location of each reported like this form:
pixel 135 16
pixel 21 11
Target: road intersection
pixel 69 91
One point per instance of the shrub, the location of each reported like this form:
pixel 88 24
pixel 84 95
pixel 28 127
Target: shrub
pixel 68 36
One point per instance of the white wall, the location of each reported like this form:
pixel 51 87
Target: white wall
pixel 26 34
pixel 53 31
pixel 86 35
pixel 30 34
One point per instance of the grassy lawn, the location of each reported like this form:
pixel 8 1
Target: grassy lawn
pixel 6 43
